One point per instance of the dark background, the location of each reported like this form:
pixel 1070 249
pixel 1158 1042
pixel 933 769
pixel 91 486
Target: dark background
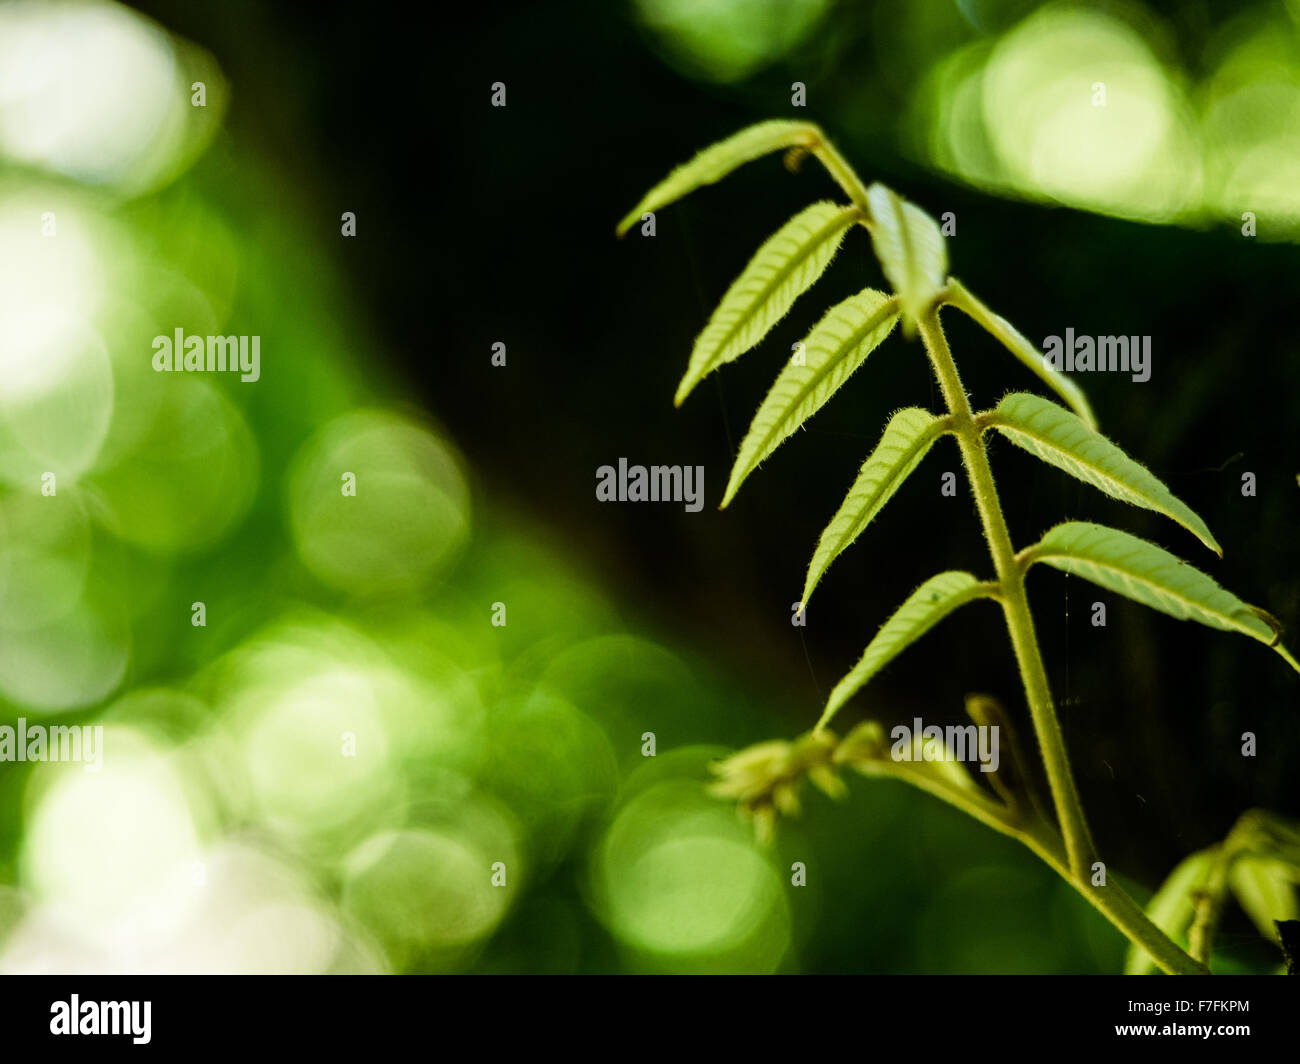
pixel 479 224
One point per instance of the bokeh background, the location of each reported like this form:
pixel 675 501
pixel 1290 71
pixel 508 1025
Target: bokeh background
pixel 228 831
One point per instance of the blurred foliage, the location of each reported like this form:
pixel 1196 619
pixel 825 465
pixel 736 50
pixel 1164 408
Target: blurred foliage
pixel 329 774
pixel 1152 112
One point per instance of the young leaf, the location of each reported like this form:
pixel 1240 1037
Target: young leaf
pixel 937 757
pixel 783 269
pixel 836 347
pixel 906 439
pixel 1266 891
pixel 1151 575
pixel 924 608
pixel 1009 337
pixel 1060 438
pixel 1172 907
pixel 717 161
pixel 910 248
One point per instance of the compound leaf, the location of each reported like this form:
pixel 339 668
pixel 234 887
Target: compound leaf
pixel 786 266
pixel 836 347
pixel 1061 438
pixel 718 160
pixel 906 439
pixel 924 608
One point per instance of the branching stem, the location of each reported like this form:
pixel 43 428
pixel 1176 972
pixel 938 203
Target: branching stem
pixel 1015 605
pixel 1112 900
pixel 1074 864
pixel 1071 853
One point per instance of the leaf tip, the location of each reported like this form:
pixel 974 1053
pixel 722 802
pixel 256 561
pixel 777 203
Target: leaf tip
pixel 734 482
pixel 1287 657
pixel 1205 536
pixel 808 585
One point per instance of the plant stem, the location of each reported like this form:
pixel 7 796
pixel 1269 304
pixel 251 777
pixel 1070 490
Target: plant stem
pixel 1209 903
pixel 1015 605
pixel 842 174
pixel 1112 901
pixel 1074 863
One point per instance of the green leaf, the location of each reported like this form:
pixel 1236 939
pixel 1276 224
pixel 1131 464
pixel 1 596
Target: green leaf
pixel 717 161
pixel 1266 891
pixel 836 347
pixel 1009 337
pixel 910 247
pixel 784 268
pixel 1061 438
pixel 1172 907
pixel 908 436
pixel 924 608
pixel 1151 575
